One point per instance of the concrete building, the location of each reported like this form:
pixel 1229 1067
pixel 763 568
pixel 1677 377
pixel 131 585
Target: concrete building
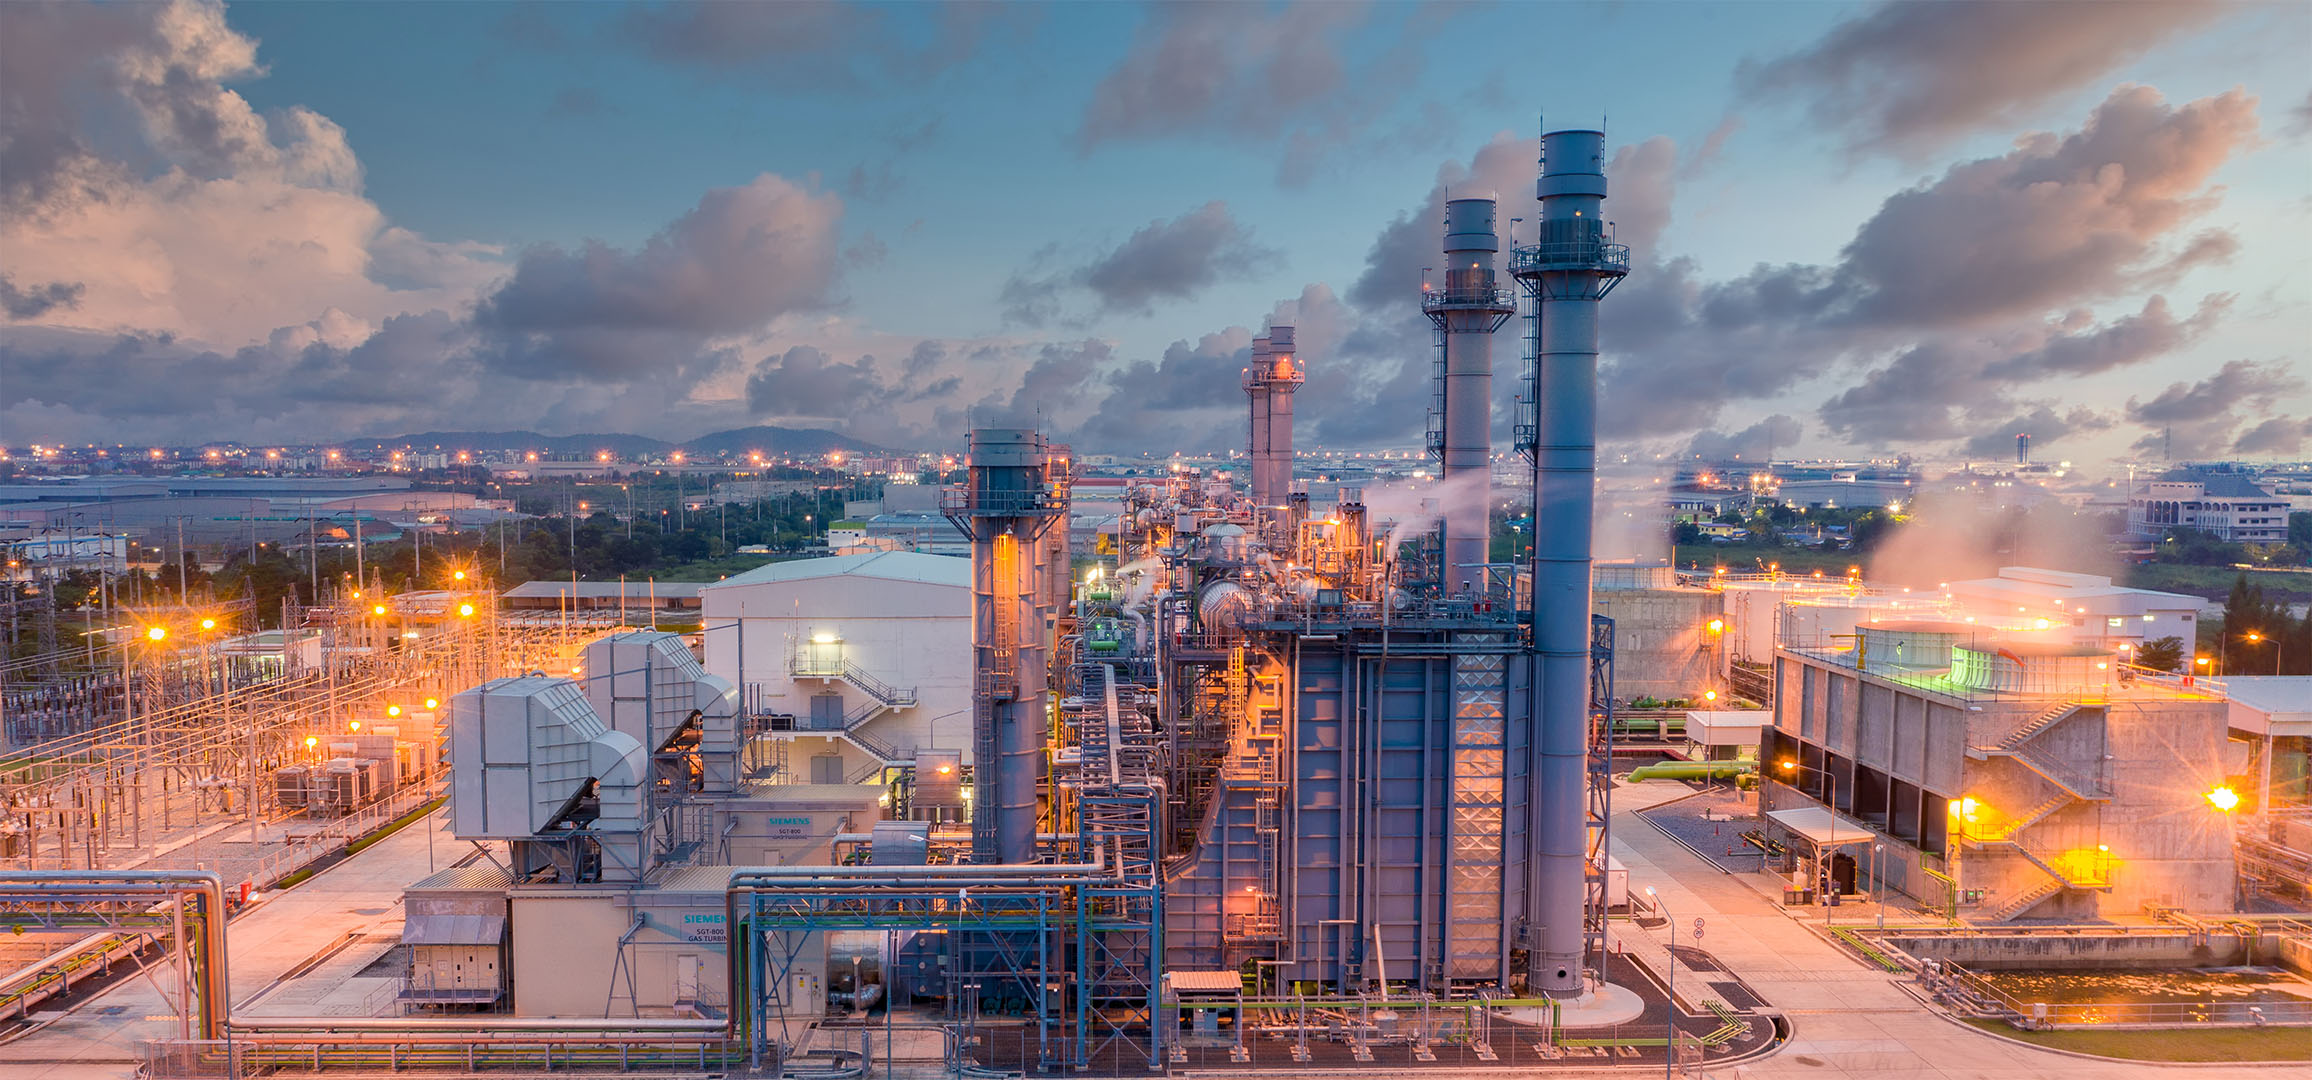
pixel 2019 777
pixel 2272 715
pixel 2085 609
pixel 859 659
pixel 2226 505
pixel 1664 644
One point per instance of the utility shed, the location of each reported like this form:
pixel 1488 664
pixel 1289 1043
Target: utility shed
pixel 856 660
pixel 455 929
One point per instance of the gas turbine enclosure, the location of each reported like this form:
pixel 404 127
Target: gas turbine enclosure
pixel 520 750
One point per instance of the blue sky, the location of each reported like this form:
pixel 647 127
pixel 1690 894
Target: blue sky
pixel 386 217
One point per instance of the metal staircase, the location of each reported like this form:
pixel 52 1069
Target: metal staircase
pixel 2024 901
pixel 2040 723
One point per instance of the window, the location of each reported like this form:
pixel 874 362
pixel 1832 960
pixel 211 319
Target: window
pixel 2117 621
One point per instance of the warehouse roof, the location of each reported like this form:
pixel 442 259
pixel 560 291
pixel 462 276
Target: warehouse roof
pixel 603 590
pixel 910 566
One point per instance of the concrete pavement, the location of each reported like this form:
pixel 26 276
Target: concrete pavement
pixel 1847 1020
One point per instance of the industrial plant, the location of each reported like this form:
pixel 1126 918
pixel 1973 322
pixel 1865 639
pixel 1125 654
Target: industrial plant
pixel 1244 780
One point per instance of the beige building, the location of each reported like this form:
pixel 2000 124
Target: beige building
pixel 2023 779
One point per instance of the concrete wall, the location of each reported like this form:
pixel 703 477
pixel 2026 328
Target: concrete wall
pixel 906 633
pixel 567 961
pixel 2136 949
pixel 1663 646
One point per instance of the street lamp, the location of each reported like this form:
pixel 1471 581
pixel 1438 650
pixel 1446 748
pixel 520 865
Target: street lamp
pixel 2224 798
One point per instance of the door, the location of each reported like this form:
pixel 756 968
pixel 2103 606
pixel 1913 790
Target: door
pixel 686 969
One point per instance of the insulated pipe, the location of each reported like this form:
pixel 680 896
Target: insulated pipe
pixel 1467 312
pixel 1570 268
pixel 217 989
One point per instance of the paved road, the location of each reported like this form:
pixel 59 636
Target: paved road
pixel 361 896
pixel 1848 1020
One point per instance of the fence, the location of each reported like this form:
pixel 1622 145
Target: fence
pixel 1970 992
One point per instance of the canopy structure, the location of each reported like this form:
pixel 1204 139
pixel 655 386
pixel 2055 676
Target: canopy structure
pixel 1821 828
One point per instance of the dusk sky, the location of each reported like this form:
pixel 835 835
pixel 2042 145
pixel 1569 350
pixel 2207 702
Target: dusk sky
pixel 1913 227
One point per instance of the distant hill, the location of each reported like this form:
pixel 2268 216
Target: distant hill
pixel 487 441
pixel 767 439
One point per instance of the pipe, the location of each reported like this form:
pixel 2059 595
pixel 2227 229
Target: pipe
pixel 1690 770
pixel 447 1025
pixel 216 986
pixel 1466 313
pixel 1570 268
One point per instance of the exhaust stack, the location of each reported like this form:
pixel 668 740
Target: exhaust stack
pixel 1467 311
pixel 1269 383
pixel 1573 265
pixel 1016 490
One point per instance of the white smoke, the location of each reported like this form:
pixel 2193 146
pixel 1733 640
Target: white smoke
pixel 1632 517
pixel 1413 507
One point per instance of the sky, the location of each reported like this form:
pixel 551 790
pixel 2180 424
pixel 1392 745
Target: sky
pixel 1856 228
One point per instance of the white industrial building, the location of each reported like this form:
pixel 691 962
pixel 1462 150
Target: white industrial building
pixel 2085 609
pixel 859 660
pixel 2225 505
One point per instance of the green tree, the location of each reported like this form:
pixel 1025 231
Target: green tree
pixel 2161 655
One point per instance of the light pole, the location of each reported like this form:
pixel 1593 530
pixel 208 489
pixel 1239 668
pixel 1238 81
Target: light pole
pixel 1669 986
pixel 1878 882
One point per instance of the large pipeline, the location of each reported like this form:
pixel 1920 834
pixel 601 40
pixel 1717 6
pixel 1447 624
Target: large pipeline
pixel 214 988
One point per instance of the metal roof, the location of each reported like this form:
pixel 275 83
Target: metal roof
pixel 696 879
pixel 479 877
pixel 1205 982
pixel 601 590
pixel 2223 485
pixel 453 930
pixel 1822 827
pixel 911 566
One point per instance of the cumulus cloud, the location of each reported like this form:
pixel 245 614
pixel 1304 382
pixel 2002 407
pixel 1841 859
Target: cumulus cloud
pixel 1278 77
pixel 2197 419
pixel 31 303
pixel 1171 259
pixel 2275 437
pixel 2043 423
pixel 742 257
pixel 824 46
pixel 1944 319
pixel 1758 442
pixel 1907 77
pixel 134 171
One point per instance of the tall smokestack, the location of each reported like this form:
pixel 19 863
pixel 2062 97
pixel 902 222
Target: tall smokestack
pixel 1466 312
pixel 2023 449
pixel 1284 378
pixel 1571 267
pixel 1256 445
pixel 1005 505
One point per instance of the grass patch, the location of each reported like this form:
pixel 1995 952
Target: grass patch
pixel 2170 1044
pixel 2215 582
pixel 1801 562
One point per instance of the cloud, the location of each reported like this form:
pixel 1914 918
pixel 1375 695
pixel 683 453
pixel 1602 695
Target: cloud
pixel 31 303
pixel 1908 77
pixel 2197 419
pixel 1758 442
pixel 198 217
pixel 823 46
pixel 1163 260
pixel 2041 422
pixel 742 257
pixel 1940 317
pixel 2275 437
pixel 1281 78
